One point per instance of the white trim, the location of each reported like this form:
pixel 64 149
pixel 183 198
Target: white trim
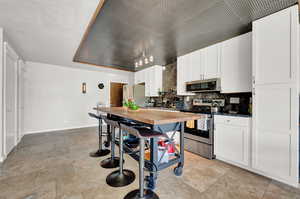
pixel 8 51
pixel 258 172
pixel 59 129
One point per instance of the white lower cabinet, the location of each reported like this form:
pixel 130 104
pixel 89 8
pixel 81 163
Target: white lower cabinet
pixel 232 139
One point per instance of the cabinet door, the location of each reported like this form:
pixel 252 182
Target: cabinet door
pixel 195 68
pixel 155 80
pixel 232 143
pixel 147 74
pixel 182 75
pixel 211 61
pixel 273 43
pixel 158 73
pixel 236 64
pixel 275 97
pixel 136 74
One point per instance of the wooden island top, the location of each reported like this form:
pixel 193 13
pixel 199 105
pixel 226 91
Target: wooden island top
pixel 150 116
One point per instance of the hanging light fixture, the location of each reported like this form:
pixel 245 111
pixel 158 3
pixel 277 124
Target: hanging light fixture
pixel 151 58
pixel 144 60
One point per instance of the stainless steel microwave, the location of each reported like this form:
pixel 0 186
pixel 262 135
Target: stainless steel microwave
pixel 209 85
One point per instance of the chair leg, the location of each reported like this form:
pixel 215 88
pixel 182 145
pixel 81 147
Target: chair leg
pixel 112 162
pixel 141 193
pixel 121 177
pixel 100 152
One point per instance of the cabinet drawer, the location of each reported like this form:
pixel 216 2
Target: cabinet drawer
pixel 232 120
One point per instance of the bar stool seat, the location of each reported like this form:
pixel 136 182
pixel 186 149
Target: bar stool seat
pixel 100 152
pixel 142 133
pixel 133 141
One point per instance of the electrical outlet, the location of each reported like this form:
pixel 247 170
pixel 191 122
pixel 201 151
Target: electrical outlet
pixel 234 100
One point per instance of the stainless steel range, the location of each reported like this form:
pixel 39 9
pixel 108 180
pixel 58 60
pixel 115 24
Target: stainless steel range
pixel 199 137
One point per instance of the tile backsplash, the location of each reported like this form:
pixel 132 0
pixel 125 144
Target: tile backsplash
pixel 242 107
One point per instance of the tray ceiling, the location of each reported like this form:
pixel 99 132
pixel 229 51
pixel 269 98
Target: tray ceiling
pixel 123 29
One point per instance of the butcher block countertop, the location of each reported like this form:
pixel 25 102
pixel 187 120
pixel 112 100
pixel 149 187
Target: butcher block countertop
pixel 150 116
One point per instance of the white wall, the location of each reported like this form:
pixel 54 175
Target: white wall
pixel 53 98
pixel 1 85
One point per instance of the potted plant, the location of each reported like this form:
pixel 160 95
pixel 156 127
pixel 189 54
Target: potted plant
pixel 131 105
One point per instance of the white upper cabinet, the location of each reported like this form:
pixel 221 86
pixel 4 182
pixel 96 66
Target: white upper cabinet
pixel 236 64
pixel 139 77
pixel 184 74
pixel 194 66
pixel 275 96
pixel 230 60
pixel 147 80
pixel 152 77
pixel 211 62
pixel 273 49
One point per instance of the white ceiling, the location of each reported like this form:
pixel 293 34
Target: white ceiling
pixel 47 31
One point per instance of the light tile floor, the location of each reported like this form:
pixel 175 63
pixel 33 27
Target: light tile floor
pixel 57 165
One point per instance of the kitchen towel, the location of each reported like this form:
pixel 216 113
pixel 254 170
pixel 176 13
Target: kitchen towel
pixel 190 124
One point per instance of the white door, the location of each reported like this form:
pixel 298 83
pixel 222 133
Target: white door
pixel 211 61
pixel 275 97
pixel 10 92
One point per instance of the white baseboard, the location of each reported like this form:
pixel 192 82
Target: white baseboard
pixel 249 168
pixel 59 129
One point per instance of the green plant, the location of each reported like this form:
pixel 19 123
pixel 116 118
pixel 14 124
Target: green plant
pixel 131 105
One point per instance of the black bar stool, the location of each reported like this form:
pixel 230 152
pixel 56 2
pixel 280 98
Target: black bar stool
pixel 112 162
pixel 100 152
pixel 121 177
pixel 143 134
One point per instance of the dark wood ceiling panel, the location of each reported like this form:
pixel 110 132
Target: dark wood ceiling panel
pixel 124 29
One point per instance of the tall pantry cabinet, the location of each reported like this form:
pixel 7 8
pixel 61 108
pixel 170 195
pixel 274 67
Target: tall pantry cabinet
pixel 275 95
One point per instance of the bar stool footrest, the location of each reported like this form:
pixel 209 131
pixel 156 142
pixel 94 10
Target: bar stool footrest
pixel 99 153
pixel 110 163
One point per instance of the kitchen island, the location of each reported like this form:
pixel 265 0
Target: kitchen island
pixel 157 120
